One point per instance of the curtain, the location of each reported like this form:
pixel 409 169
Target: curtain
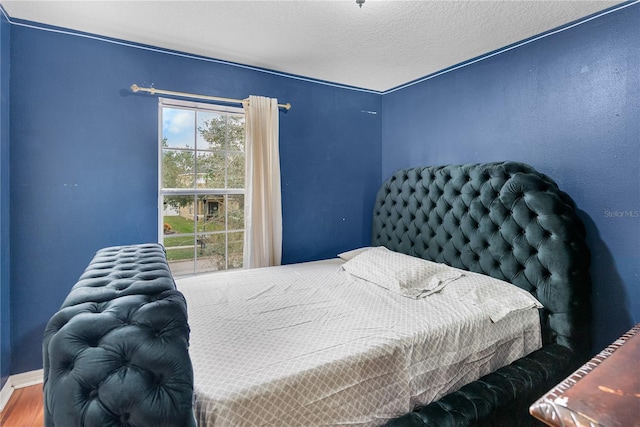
pixel 263 205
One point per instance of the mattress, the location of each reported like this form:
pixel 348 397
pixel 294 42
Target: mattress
pixel 311 345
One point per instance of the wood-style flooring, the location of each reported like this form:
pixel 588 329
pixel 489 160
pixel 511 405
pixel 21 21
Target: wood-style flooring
pixel 25 408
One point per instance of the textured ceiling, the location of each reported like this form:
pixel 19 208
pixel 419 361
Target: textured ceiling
pixel 379 46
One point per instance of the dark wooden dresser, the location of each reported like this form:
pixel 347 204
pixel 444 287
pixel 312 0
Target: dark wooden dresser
pixel 604 392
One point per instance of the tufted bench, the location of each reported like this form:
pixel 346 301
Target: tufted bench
pixel 116 353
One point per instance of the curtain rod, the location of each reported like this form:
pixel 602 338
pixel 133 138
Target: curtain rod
pixel 135 88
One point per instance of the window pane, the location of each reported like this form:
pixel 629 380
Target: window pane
pixel 211 253
pixel 177 169
pixel 177 215
pixel 212 132
pixel 211 171
pixel 210 213
pixel 178 128
pixel 180 254
pixel 236 243
pixel 235 133
pixel 235 211
pixel 235 170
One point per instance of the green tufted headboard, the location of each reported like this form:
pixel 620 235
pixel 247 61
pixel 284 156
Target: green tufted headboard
pixel 502 219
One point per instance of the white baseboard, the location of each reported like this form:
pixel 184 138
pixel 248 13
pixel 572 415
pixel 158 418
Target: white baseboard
pixel 5 394
pixel 16 381
pixel 27 378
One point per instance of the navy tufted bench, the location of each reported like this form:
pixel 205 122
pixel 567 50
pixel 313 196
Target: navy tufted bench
pixel 116 353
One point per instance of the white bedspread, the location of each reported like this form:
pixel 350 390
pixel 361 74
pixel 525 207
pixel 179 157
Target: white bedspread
pixel 309 345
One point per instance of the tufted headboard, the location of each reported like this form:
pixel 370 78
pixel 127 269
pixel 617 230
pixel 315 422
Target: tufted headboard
pixel 502 219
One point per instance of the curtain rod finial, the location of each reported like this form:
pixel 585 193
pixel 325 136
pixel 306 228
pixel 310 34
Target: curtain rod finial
pixel 135 88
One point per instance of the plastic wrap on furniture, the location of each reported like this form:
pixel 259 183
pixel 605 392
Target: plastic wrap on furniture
pixel 116 353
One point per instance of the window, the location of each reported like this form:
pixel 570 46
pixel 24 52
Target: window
pixel 201 186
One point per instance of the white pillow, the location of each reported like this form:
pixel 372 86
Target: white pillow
pixel 352 253
pixel 404 274
pixel 496 298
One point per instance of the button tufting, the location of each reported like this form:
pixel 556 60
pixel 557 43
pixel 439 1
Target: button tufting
pixel 481 199
pixel 158 380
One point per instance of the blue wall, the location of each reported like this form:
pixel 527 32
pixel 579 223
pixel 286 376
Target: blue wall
pixel 569 105
pixel 84 161
pixel 83 168
pixel 5 287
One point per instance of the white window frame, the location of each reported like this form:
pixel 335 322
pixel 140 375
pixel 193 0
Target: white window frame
pixel 194 106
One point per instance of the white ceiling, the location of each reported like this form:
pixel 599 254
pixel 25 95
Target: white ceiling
pixel 379 46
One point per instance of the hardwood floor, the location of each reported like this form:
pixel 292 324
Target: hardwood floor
pixel 25 408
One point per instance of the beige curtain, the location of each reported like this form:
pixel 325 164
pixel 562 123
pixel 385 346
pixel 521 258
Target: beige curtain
pixel 263 206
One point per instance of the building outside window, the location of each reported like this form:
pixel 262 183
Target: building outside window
pixel 201 186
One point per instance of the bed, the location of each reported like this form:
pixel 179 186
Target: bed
pixel 315 344
pixel 498 243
